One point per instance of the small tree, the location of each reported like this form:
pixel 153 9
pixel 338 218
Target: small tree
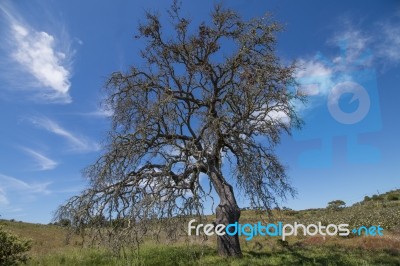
pixel 393 197
pixel 12 249
pixel 99 221
pixel 367 198
pixel 191 108
pixel 377 197
pixel 63 222
pixel 336 204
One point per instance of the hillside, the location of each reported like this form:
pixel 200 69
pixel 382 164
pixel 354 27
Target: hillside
pixel 52 245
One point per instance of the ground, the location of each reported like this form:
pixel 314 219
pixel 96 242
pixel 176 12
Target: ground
pixel 51 246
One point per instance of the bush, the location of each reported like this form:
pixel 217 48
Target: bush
pixel 12 249
pixel 393 197
pixel 377 197
pixel 336 204
pixel 63 222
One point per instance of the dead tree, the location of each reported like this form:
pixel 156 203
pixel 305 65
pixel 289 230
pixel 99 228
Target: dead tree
pixel 205 96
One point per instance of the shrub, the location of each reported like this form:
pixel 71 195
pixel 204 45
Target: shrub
pixel 63 222
pixel 377 197
pixel 393 197
pixel 12 249
pixel 336 204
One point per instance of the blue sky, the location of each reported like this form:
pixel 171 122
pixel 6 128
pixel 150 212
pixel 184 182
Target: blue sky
pixel 56 55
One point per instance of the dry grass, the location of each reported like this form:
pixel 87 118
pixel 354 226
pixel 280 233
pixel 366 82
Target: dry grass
pixel 45 239
pixel 50 245
pixel 50 248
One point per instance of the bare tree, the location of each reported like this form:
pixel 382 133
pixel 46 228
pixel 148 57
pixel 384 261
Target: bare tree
pixel 207 95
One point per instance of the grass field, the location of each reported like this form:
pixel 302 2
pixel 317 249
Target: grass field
pixel 49 245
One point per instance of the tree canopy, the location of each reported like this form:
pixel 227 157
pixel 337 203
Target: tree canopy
pixel 207 95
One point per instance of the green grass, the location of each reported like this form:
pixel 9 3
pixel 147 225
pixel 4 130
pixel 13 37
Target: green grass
pixel 49 245
pixel 197 255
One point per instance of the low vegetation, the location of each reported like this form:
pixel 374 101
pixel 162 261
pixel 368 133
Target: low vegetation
pixel 12 248
pixel 54 245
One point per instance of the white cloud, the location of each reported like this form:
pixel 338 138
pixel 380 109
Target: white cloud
pixel 353 43
pixel 35 52
pixel 79 144
pixel 44 163
pixel 275 115
pixel 314 77
pixel 377 43
pixel 389 45
pixel 373 46
pixel 280 116
pixel 11 184
pixel 3 198
pixel 70 190
pixel 318 75
pixel 14 193
pixel 100 112
pixel 39 54
pixel 312 68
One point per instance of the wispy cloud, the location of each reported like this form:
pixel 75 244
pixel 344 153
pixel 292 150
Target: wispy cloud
pixel 11 185
pixel 315 75
pixel 100 113
pixel 3 198
pixel 69 190
pixel 377 43
pixel 375 46
pixel 38 53
pixel 389 45
pixel 354 45
pixel 43 162
pixel 77 143
pixel 16 193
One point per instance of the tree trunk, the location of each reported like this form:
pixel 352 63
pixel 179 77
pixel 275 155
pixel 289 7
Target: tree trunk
pixel 227 212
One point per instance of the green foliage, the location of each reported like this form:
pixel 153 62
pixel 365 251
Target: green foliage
pixel 98 221
pixel 377 197
pixel 63 222
pixel 393 197
pixel 12 248
pixel 378 212
pixel 336 204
